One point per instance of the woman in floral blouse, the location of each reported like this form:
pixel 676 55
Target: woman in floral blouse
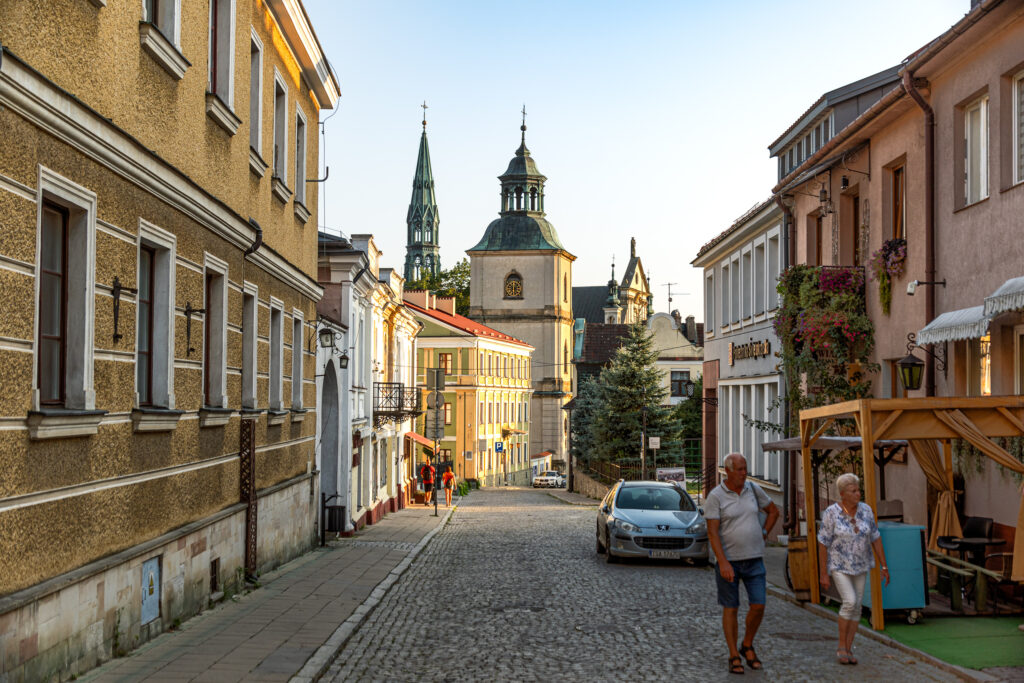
pixel 846 536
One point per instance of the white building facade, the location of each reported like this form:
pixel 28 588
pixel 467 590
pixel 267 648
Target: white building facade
pixel 741 268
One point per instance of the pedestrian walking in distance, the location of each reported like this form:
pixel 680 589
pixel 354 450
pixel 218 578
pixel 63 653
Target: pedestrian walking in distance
pixel 846 537
pixel 448 481
pixel 737 539
pixel 427 475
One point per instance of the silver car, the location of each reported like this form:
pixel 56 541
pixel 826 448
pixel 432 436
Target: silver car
pixel 654 519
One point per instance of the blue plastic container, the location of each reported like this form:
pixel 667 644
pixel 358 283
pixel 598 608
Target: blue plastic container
pixel 908 576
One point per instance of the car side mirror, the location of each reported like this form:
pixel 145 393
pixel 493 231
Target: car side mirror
pixel 605 508
pixel 700 510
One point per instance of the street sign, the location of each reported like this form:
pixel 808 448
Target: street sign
pixel 435 399
pixel 434 428
pixel 499 447
pixel 482 445
pixel 435 379
pixel 654 442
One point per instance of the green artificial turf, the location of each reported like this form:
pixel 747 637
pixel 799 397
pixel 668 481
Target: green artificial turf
pixel 972 642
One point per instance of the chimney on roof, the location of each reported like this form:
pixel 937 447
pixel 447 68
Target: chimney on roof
pixel 445 304
pixel 691 329
pixel 416 297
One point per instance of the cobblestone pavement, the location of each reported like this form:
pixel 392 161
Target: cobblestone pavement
pixel 512 589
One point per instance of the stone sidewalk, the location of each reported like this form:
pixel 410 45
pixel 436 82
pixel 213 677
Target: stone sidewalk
pixel 291 627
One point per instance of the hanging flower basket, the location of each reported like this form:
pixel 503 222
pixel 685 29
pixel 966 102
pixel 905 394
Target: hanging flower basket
pixel 886 264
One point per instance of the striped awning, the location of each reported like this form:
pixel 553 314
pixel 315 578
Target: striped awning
pixel 1009 297
pixel 966 323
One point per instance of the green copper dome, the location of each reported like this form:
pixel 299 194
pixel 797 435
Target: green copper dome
pixel 522 225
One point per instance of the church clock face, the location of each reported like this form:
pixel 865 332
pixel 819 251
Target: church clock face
pixel 513 287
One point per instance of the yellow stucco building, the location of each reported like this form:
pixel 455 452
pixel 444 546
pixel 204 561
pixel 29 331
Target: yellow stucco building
pixel 158 279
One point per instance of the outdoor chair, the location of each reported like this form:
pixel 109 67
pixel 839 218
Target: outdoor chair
pixel 1003 563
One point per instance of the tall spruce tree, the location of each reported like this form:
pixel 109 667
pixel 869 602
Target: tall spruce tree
pixel 628 386
pixel 588 411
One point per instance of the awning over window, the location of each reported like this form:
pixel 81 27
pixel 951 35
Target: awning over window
pixel 421 440
pixel 966 323
pixel 1009 297
pixel 542 454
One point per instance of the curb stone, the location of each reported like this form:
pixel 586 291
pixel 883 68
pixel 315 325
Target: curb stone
pixel 317 665
pixel 818 610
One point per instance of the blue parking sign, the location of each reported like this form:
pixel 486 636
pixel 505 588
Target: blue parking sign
pixel 499 447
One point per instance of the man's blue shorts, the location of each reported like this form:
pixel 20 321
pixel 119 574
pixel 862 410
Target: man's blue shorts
pixel 752 573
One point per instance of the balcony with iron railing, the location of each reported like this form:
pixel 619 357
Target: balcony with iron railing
pixel 394 402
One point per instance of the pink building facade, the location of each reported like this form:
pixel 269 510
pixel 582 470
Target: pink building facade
pixel 936 158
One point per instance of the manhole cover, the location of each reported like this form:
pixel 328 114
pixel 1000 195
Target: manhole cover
pixel 804 636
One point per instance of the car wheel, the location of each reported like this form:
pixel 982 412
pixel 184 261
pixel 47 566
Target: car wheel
pixel 608 556
pixel 600 546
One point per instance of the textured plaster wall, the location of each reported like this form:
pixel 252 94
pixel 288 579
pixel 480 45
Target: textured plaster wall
pixel 105 522
pixel 101 62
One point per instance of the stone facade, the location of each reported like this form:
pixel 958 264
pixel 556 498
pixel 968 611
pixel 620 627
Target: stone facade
pixel 135 188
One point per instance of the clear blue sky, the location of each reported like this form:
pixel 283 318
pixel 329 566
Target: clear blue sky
pixel 650 119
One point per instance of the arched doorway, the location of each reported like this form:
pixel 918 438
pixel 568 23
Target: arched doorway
pixel 329 432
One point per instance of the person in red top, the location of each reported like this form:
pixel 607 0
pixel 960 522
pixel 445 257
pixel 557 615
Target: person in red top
pixel 448 481
pixel 427 475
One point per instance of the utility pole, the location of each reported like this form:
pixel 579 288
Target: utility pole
pixel 643 435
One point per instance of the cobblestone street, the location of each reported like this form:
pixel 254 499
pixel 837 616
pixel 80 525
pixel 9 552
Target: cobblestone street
pixel 511 589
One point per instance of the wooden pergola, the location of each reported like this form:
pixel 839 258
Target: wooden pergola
pixel 975 420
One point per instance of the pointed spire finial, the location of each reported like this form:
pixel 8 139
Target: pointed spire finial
pixel 424 107
pixel 523 127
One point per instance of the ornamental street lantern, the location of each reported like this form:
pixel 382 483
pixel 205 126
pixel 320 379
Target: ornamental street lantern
pixel 343 360
pixel 326 337
pixel 689 388
pixel 911 368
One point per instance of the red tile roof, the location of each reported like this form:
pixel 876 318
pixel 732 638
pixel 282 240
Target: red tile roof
pixel 467 325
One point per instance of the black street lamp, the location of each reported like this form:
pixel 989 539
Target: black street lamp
pixel 689 387
pixel 911 369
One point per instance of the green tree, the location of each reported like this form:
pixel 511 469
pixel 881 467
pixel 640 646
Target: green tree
pixel 451 282
pixel 589 408
pixel 631 391
pixel 690 413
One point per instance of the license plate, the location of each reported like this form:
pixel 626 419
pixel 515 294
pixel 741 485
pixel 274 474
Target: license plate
pixel 664 554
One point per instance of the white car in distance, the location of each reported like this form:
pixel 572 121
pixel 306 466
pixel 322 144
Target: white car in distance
pixel 551 479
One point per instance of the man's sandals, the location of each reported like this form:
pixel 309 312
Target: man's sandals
pixel 752 661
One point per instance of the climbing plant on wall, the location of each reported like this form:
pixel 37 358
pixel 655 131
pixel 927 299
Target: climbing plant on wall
pixel 825 336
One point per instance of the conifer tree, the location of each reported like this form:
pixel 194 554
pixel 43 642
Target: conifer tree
pixel 629 387
pixel 588 411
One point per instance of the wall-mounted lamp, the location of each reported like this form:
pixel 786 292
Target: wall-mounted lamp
pixel 689 387
pixel 343 360
pixel 326 335
pixel 911 367
pixel 914 284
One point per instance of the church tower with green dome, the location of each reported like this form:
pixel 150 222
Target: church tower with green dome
pixel 521 284
pixel 422 250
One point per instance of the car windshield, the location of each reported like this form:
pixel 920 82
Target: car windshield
pixel 654 498
pixel 551 474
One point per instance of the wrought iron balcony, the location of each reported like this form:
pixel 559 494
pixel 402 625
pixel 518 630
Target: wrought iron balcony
pixel 412 402
pixel 388 402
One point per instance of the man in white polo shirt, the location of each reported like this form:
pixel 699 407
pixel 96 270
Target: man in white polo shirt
pixel 737 539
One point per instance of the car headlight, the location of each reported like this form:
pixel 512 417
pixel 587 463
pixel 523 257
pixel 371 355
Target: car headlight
pixel 698 527
pixel 626 526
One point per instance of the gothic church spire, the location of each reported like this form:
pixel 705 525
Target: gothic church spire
pixel 422 251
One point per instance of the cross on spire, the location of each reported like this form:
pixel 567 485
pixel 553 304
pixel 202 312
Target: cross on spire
pixel 523 127
pixel 424 107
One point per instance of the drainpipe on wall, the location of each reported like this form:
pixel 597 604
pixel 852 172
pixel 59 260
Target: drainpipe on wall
pixel 910 86
pixel 789 508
